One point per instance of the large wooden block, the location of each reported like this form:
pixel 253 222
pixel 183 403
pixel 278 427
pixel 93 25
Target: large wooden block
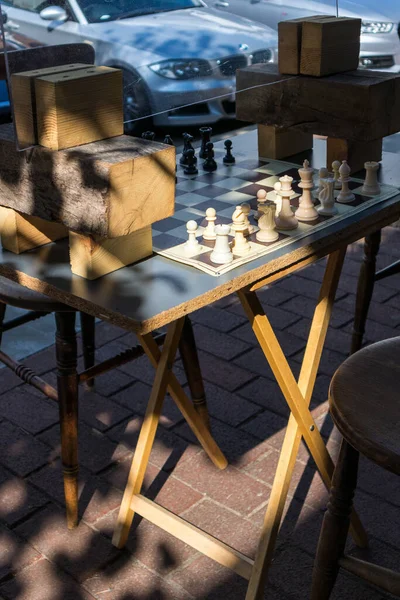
pixel 360 105
pixel 20 233
pixel 79 107
pixel 356 153
pixel 330 45
pixel 92 257
pixel 281 142
pixel 108 188
pixel 24 100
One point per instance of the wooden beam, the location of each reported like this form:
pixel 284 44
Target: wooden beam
pixel 356 153
pixel 20 233
pixel 281 142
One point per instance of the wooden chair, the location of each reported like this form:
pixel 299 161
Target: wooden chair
pixel 365 406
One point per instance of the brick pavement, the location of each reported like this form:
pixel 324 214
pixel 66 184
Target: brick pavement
pixel 41 560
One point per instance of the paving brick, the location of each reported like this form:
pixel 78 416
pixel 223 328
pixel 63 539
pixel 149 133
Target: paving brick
pixel 8 380
pixel 375 332
pixel 17 497
pixel 228 407
pixel 106 332
pixel 255 362
pixel 99 412
pixel 330 361
pixel 265 425
pixel 266 393
pixel 142 370
pixel 377 312
pixel 112 382
pixel 336 339
pixel 43 581
pixel 379 518
pixel 221 320
pixel 273 295
pixel 280 318
pixel 43 361
pixel 96 451
pixel 28 411
pixel 21 452
pixel 378 482
pixel 348 284
pixel 304 287
pixel 217 343
pixel 80 552
pixel 302 308
pixel 291 344
pixel 14 553
pixel 224 374
pixel 126 576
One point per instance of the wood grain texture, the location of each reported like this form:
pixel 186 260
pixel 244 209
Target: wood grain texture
pixel 20 233
pixel 79 107
pixel 330 45
pixel 92 258
pixel 356 153
pixel 108 188
pixel 359 105
pixel 281 142
pixel 24 100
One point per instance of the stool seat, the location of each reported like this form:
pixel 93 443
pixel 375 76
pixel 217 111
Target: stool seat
pixel 14 294
pixel 365 402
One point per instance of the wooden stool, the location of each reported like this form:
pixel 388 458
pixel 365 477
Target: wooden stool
pixel 365 406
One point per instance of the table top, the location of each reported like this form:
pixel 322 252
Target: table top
pixel 156 291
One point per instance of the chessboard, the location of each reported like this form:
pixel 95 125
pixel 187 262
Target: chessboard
pixel 231 185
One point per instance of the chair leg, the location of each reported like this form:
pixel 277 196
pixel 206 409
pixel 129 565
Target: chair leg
pixel 88 342
pixel 190 359
pixel 3 308
pixel 67 382
pixel 365 288
pixel 335 526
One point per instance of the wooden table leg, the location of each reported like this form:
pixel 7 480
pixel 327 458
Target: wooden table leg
pixel 88 343
pixel 190 359
pixel 365 287
pixel 67 382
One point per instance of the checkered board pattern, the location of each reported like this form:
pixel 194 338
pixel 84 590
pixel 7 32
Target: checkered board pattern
pixel 229 186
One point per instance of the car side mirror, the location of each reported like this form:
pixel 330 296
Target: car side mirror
pixel 53 13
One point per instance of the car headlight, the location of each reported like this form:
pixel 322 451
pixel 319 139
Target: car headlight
pixel 182 69
pixel 376 27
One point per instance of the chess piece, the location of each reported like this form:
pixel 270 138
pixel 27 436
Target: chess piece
pixel 323 173
pixel 266 223
pixel 306 211
pixel 371 186
pixel 336 175
pixel 210 164
pixel 149 135
pixel 192 246
pixel 327 198
pixel 246 211
pixel 286 219
pixel 209 231
pixel 261 198
pixel 222 253
pixel 241 243
pixel 168 140
pixel 190 168
pixel 187 145
pixel 345 195
pixel 228 159
pixel 205 133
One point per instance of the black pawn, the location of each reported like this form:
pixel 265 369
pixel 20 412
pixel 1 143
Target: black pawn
pixel 205 133
pixel 228 159
pixel 210 164
pixel 190 168
pixel 187 145
pixel 168 140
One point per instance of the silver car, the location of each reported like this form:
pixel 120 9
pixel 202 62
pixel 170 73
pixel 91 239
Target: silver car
pixel 380 44
pixel 179 57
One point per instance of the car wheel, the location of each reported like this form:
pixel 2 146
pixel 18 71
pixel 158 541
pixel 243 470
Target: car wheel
pixel 136 105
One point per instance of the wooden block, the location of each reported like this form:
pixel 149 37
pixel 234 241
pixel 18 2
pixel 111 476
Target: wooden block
pixel 330 45
pixel 361 105
pixel 356 153
pixel 93 257
pixel 24 101
pixel 280 142
pixel 79 107
pixel 20 233
pixel 108 188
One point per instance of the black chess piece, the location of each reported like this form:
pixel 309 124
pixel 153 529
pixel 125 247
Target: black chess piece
pixel 210 164
pixel 149 135
pixel 228 159
pixel 205 133
pixel 168 140
pixel 190 168
pixel 187 145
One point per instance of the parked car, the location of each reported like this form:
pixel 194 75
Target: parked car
pixel 178 57
pixel 380 43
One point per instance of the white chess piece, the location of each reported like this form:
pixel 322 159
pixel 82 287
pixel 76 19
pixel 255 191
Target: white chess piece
pixel 336 175
pixel 286 219
pixel 241 244
pixel 246 211
pixel 192 246
pixel 306 211
pixel 261 198
pixel 266 223
pixel 323 173
pixel 327 199
pixel 345 195
pixel 222 252
pixel 371 186
pixel 209 231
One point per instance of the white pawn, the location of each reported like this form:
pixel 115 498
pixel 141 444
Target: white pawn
pixel 261 198
pixel 327 199
pixel 222 253
pixel 345 195
pixel 192 245
pixel 336 174
pixel 266 223
pixel 246 211
pixel 209 231
pixel 286 219
pixel 306 211
pixel 241 243
pixel 371 186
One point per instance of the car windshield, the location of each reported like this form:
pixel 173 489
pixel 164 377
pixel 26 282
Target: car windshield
pixel 97 11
